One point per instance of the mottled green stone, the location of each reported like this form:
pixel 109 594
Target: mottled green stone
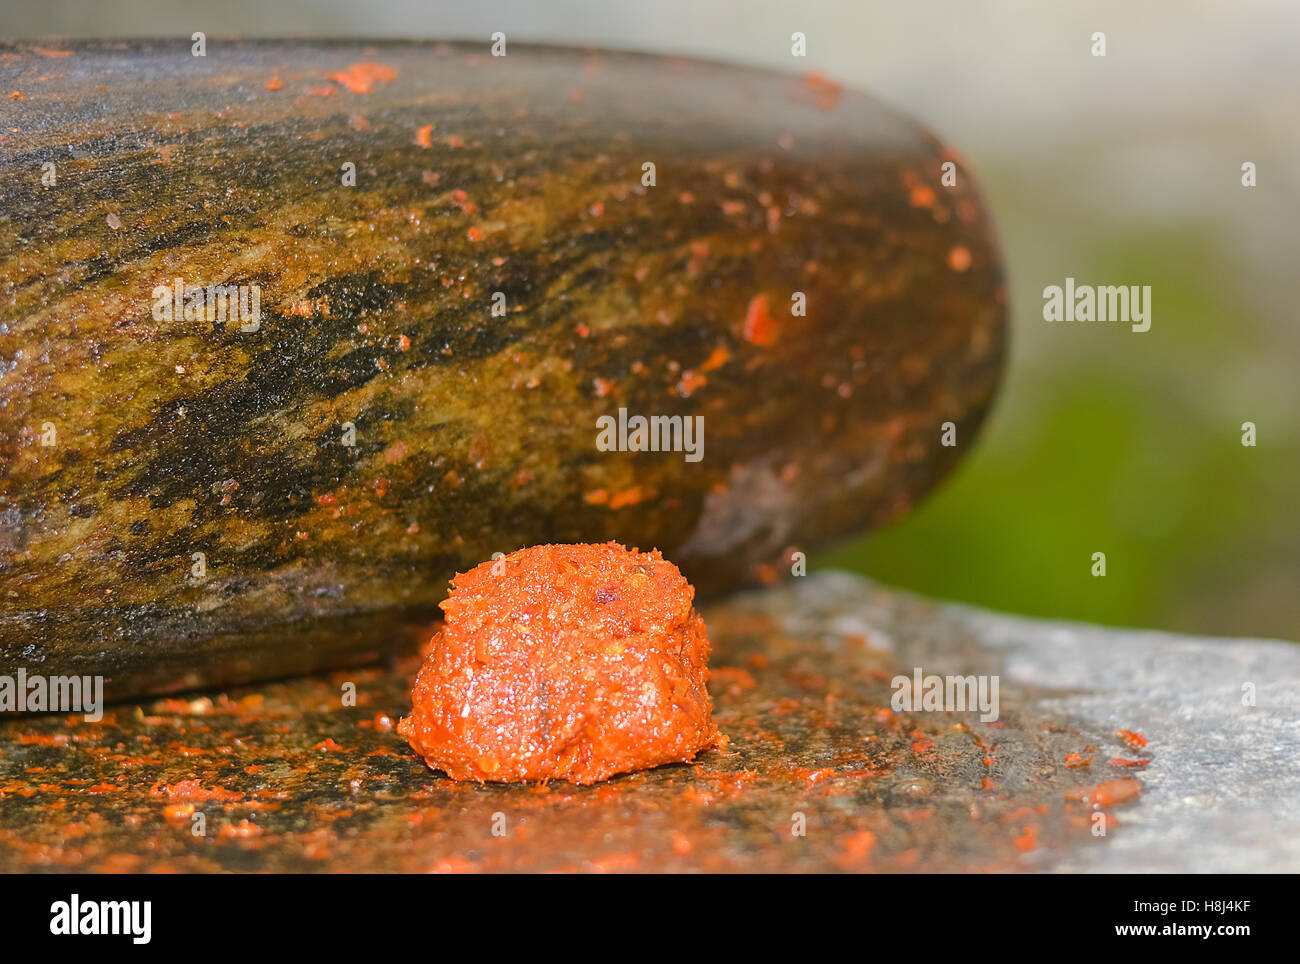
pixel 474 432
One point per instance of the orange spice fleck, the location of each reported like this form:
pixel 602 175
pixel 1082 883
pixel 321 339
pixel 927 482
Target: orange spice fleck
pixel 717 358
pixel 1132 738
pixel 760 327
pixel 193 790
pixel 691 382
pixel 244 828
pixel 921 196
pixel 178 811
pixel 424 138
pixel 959 258
pixel 1028 839
pixel 826 92
pixel 858 845
pixel 360 78
pixel 628 497
pixel 1105 794
pixel 454 865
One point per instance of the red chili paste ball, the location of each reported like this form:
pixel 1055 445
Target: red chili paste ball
pixel 564 662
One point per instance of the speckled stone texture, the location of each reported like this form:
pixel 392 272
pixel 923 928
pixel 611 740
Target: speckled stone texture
pixel 289 779
pixel 475 418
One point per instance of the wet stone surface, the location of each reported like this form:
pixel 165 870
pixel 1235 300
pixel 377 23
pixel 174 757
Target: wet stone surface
pixel 287 778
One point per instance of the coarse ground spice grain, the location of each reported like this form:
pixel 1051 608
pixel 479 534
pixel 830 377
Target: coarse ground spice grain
pixel 571 662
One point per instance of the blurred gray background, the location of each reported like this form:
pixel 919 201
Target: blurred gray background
pixel 1115 170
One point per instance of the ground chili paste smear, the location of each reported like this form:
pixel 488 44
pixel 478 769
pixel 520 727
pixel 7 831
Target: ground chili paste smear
pixel 571 662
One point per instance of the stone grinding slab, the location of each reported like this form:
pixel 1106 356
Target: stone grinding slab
pixel 289 779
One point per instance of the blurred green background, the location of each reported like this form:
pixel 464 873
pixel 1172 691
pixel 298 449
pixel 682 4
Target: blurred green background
pixel 1129 444
pixel 1116 170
